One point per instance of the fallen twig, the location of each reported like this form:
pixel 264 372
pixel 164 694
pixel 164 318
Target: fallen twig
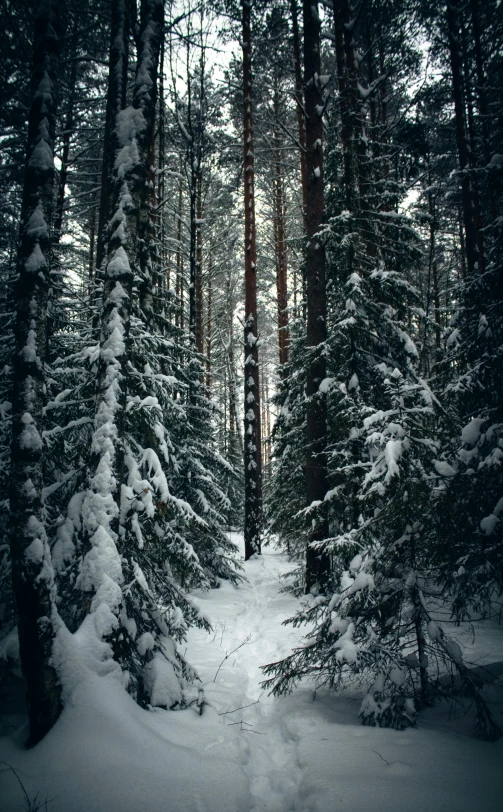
pixel 245 641
pixel 224 713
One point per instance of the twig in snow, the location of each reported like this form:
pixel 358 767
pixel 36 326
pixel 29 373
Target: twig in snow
pixel 245 729
pixel 244 643
pixel 219 629
pixel 241 708
pixel 31 805
pixel 378 754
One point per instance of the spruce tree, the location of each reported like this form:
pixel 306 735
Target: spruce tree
pixel 32 572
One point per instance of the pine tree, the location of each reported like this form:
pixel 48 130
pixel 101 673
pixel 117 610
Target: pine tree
pixel 386 472
pixel 146 523
pixel 32 572
pixel 317 563
pixel 252 439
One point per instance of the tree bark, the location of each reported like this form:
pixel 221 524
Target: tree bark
pixel 472 147
pixel 65 155
pixel 280 246
pixel 482 100
pixel 299 95
pixel 434 273
pixel 32 573
pixel 341 17
pixel 192 248
pixel 164 282
pixel 145 99
pixel 199 264
pixel 179 262
pixel 208 334
pixel 317 563
pixel 116 101
pixel 454 37
pixel 252 440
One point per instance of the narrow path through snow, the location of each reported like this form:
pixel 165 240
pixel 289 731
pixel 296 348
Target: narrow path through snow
pixel 248 622
pixel 288 754
pixel 305 756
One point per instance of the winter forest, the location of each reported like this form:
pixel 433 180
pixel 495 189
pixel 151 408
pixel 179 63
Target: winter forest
pixel 251 405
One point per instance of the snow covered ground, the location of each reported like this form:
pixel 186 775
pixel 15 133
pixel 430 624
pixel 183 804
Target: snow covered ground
pixel 291 754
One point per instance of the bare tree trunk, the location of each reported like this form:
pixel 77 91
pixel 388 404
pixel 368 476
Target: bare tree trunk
pixel 434 273
pixel 182 294
pixel 341 16
pixel 267 446
pixel 482 99
pixel 92 240
pixel 299 95
pixel 199 265
pixel 116 101
pixel 192 249
pixel 208 334
pixel 454 36
pixel 472 142
pixel 179 280
pixel 161 186
pixel 252 440
pixel 32 573
pixel 149 259
pixel 65 155
pixel 280 246
pixel 317 564
pixel 56 280
pixel 234 430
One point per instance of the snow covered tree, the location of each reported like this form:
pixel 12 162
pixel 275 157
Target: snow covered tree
pixel 253 434
pixel 32 571
pixel 317 563
pixel 470 538
pixel 378 626
pixel 122 552
pixel 385 472
pixel 286 494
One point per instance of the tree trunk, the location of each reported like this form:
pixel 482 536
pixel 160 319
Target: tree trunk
pixel 208 335
pixel 482 101
pixel 252 441
pixel 230 365
pixel 299 95
pixel 116 101
pixel 179 280
pixel 472 142
pixel 54 295
pixel 472 254
pixel 317 563
pixel 267 419
pixel 340 19
pixel 65 155
pixel 434 274
pixel 481 80
pixel 199 265
pixel 192 247
pixel 32 573
pixel 164 282
pixel 145 100
pixel 92 239
pixel 280 246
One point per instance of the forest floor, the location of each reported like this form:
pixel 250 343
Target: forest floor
pixel 305 752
